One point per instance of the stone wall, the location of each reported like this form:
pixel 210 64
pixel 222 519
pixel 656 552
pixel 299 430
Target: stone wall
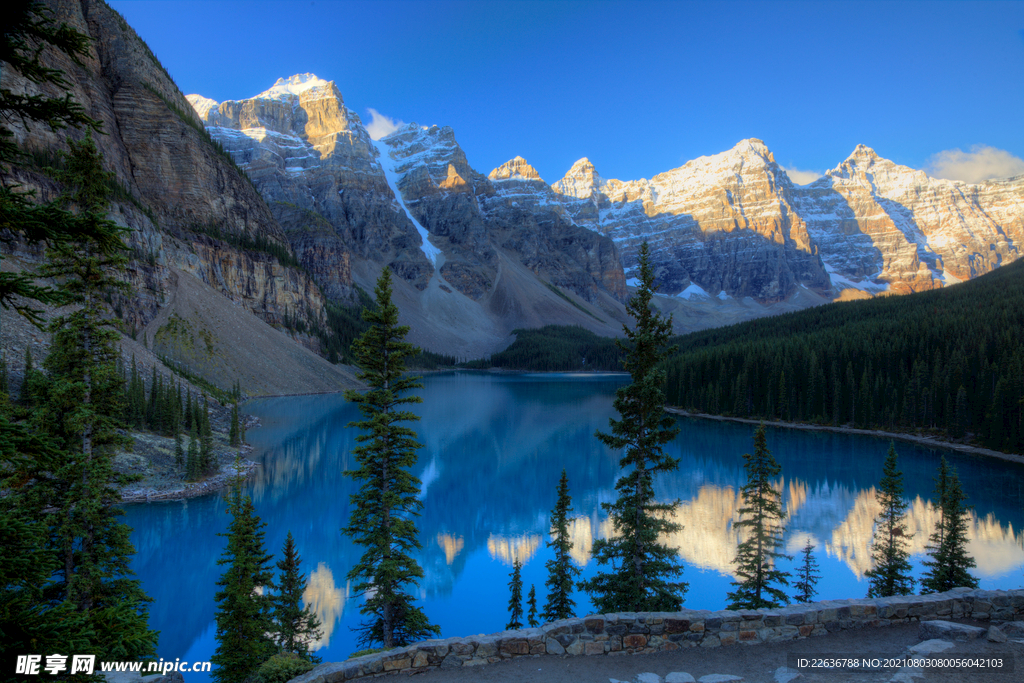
pixel 632 633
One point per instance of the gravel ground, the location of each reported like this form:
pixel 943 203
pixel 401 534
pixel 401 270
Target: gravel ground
pixel 754 663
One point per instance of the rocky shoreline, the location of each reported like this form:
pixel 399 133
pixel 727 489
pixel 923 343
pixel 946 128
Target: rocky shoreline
pixel 900 436
pixel 221 480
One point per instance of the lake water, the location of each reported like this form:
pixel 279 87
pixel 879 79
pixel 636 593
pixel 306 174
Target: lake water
pixel 494 448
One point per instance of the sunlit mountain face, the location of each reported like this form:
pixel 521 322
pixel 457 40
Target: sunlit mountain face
pixel 494 449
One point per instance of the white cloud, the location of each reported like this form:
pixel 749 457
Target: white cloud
pixel 380 125
pixel 801 177
pixel 981 163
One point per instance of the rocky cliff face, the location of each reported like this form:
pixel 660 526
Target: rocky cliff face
pixel 889 226
pixel 193 213
pixel 734 225
pixel 183 192
pixel 411 201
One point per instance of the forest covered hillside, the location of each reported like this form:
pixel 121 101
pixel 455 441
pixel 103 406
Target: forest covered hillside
pixel 948 361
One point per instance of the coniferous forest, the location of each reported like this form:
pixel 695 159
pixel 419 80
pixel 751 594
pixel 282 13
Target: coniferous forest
pixel 556 348
pixel 948 362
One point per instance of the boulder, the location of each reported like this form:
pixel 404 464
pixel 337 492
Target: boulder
pixel 930 646
pixel 994 635
pixel 948 630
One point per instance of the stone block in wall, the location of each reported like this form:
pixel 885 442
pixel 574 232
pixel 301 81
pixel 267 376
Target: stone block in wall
pixel 397 664
pixel 616 628
pixel 557 628
pixel 452 661
pixel 677 625
pixel 594 624
pixel 727 638
pixel 711 641
pixel 634 641
pixel 485 647
pixel 513 647
pixel 553 647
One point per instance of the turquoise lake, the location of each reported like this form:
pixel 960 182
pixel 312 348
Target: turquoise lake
pixel 494 448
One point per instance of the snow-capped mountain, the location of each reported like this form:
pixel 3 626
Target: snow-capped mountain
pixel 474 267
pixel 734 223
pixel 726 230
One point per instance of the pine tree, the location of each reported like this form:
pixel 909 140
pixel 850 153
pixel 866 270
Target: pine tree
pixel 386 503
pixel 234 434
pixel 515 600
pixel 179 451
pixel 891 574
pixel 807 575
pixel 949 563
pixel 762 514
pixel 561 570
pixel 151 404
pixel 531 600
pixel 642 567
pixel 34 617
pixel 82 410
pixel 243 612
pixel 206 457
pixel 295 627
pixel 192 465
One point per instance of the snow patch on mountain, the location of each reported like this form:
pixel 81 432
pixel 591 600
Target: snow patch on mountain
pixel 840 281
pixel 286 88
pixel 388 165
pixel 201 104
pixel 693 291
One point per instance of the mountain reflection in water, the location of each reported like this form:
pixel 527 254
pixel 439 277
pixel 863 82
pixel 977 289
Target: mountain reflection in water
pixel 494 449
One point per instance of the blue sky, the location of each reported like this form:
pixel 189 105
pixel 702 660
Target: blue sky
pixel 638 87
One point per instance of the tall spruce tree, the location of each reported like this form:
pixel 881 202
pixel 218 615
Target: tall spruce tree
pixel 192 465
pixel 234 436
pixel 206 455
pixel 515 598
pixel 807 575
pixel 33 617
pixel 243 610
pixel 761 515
pixel 561 570
pixel 82 410
pixel 643 568
pixel 179 451
pixel 531 601
pixel 386 503
pixel 295 626
pixel 891 574
pixel 949 563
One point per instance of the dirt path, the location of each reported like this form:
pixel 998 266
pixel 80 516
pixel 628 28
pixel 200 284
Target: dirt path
pixel 754 663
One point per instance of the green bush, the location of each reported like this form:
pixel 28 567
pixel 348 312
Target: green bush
pixel 282 668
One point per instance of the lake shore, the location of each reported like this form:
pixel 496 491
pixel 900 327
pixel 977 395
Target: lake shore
pixel 221 480
pixel 923 440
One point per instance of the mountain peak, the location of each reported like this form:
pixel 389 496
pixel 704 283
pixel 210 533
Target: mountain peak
pixel 581 181
pixel 863 152
pixel 294 86
pixel 515 169
pixel 754 146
